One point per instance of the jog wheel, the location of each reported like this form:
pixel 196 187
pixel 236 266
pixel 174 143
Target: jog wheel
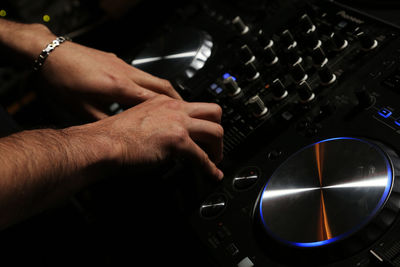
pixel 337 192
pixel 178 54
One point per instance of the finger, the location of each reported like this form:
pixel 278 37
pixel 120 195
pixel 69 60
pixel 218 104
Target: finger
pixel 209 135
pixel 192 152
pixel 154 83
pixel 205 111
pixel 132 94
pixel 93 111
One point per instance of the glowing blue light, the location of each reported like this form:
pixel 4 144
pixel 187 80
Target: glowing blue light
pixel 385 113
pixel 227 75
pixel 218 90
pixel 385 194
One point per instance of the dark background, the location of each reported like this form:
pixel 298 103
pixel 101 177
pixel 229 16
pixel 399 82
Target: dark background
pixel 129 219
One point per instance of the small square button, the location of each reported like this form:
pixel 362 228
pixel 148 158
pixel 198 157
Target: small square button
pixel 385 112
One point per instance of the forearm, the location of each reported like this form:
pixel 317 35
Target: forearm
pixel 21 44
pixel 41 167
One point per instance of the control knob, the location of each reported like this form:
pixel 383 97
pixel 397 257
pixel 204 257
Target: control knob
pixel 257 106
pixel 319 58
pixel 231 87
pixel 240 26
pixel 339 41
pixel 292 56
pixel 264 40
pixel 250 71
pixel 367 42
pixel 270 56
pixel 365 99
pixel 287 39
pixel 307 24
pixel 305 93
pixel 326 76
pixel 298 73
pixel 278 90
pixel 246 55
pixel 312 40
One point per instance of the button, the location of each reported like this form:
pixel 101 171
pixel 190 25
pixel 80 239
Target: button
pixel 365 99
pixel 213 206
pixel 385 113
pixel 246 262
pixel 246 178
pixel 232 249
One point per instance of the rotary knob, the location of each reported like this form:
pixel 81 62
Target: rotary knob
pixel 365 99
pixel 305 92
pixel 307 24
pixel 278 90
pixel 367 42
pixel 312 40
pixel 264 40
pixel 287 39
pixel 298 73
pixel 257 106
pixel 326 76
pixel 338 41
pixel 319 58
pixel 251 71
pixel 292 56
pixel 232 87
pixel 246 55
pixel 270 56
pixel 240 26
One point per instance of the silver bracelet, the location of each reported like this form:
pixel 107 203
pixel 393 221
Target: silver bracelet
pixel 45 52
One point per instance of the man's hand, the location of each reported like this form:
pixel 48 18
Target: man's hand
pixel 88 78
pixel 93 78
pixel 164 128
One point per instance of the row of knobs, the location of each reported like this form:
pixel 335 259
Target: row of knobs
pixel 255 103
pixel 293 59
pixel 367 42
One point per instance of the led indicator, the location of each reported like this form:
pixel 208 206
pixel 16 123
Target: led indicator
pixel 385 113
pixel 227 75
pixel 214 86
pixel 46 18
pixel 218 90
pixel 3 13
pixel 397 122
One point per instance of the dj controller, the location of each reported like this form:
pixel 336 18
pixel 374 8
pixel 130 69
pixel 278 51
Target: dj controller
pixel 311 114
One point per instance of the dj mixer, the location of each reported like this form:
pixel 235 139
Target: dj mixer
pixel 311 114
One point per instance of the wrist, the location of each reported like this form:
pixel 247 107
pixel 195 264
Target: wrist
pixel 39 36
pixel 92 142
pixel 26 40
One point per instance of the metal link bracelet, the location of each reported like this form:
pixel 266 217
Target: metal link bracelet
pixel 45 52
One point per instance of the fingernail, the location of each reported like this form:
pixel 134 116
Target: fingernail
pixel 220 175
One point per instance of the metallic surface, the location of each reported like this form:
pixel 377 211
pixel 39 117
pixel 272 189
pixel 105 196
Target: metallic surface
pixel 180 53
pixel 325 192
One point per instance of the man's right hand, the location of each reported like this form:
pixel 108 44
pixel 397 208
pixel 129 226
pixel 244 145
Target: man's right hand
pixel 164 128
